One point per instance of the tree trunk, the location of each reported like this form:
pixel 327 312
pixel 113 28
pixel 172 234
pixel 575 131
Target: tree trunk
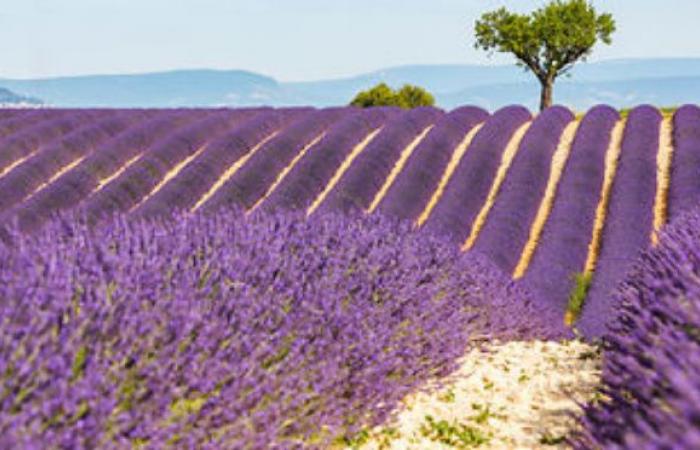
pixel 546 95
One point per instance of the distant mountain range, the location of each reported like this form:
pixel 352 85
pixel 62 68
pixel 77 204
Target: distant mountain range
pixel 9 98
pixel 622 83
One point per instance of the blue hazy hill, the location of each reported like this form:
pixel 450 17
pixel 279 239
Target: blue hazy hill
pixel 621 83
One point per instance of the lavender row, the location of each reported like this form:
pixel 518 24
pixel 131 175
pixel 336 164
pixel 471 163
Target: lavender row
pixel 311 174
pixel 413 187
pixel 507 226
pixel 469 185
pixel 142 177
pixel 78 184
pixel 629 218
pixel 222 332
pixel 248 185
pixel 365 177
pixel 15 123
pixel 22 144
pixel 198 177
pixel 651 372
pixel 563 248
pixel 42 166
pixel 684 191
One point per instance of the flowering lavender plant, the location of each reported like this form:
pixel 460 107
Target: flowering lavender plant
pixel 413 187
pixel 507 226
pixel 217 331
pixel 563 246
pixel 651 398
pixel 629 219
pixel 684 191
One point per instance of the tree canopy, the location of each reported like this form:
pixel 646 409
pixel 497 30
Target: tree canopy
pixel 549 41
pixel 407 97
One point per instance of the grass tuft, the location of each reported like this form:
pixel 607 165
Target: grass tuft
pixel 577 297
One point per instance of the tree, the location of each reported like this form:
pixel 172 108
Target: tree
pixel 549 41
pixel 407 97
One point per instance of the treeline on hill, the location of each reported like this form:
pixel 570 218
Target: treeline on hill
pixel 407 97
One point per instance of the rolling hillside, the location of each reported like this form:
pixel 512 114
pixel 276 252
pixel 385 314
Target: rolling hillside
pixel 545 197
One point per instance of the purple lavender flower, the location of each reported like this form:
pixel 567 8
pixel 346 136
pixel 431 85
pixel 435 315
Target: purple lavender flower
pixel 507 226
pixel 414 186
pixel 219 331
pixel 469 185
pixel 651 397
pixel 629 218
pixel 684 191
pixel 563 246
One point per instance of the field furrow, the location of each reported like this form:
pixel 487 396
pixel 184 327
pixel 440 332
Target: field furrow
pixel 250 186
pixel 24 144
pixel 383 157
pixel 495 186
pixel 466 190
pixel 143 177
pixel 507 226
pixel 664 159
pixel 684 190
pixel 99 168
pixel 207 171
pixel 53 160
pixel 414 186
pixel 559 159
pixel 563 247
pixel 630 216
pixel 312 174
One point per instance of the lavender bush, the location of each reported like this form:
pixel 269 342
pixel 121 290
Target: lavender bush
pixel 78 184
pixel 14 123
pixel 312 173
pixel 195 180
pixel 467 189
pixel 651 398
pixel 212 331
pixel 684 191
pixel 250 184
pixel 47 161
pixel 20 145
pixel 414 186
pixel 141 178
pixel 629 218
pixel 563 246
pixel 507 226
pixel 366 176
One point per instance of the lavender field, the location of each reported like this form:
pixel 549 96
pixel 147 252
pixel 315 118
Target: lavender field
pixel 283 278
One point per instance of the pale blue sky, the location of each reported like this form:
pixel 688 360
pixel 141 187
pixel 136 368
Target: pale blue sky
pixel 292 39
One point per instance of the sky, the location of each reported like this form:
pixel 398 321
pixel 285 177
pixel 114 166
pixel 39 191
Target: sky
pixel 293 40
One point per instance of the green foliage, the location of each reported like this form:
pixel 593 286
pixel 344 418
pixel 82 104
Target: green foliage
pixel 407 97
pixel 550 40
pixel 578 296
pixel 548 439
pixel 455 435
pixel 666 111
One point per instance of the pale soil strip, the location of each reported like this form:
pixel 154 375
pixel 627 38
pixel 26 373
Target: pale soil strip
pixel 561 155
pixel 14 164
pixel 506 160
pixel 457 156
pixel 286 170
pixel 514 395
pixel 612 157
pixel 398 167
pixel 342 169
pixel 55 176
pixel 231 171
pixel 663 177
pixel 105 181
pixel 172 173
